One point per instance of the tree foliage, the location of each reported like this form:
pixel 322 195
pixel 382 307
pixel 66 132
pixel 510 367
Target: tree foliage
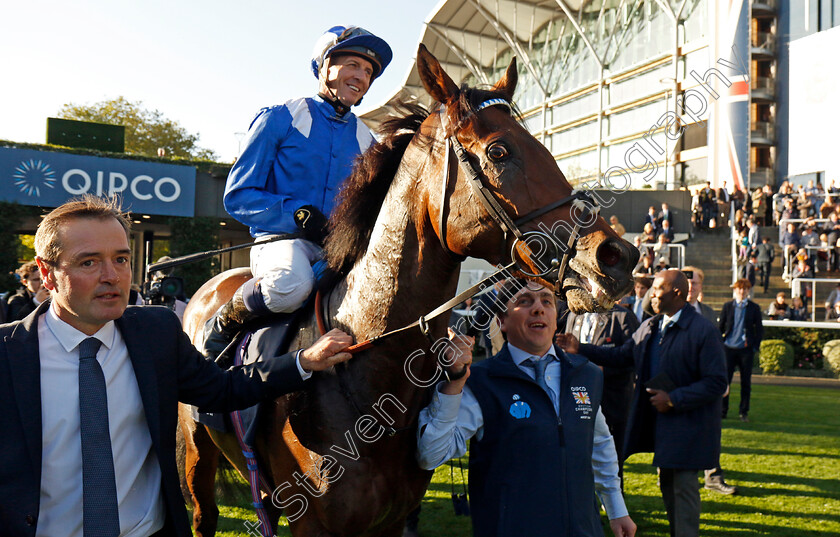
pixel 145 130
pixel 190 236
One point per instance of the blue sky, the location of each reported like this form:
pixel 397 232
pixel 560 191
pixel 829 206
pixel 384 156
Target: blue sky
pixel 210 65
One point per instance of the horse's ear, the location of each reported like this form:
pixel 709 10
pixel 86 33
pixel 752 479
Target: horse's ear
pixel 435 80
pixel 507 84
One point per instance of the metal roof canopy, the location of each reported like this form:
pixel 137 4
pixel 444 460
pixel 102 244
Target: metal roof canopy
pixel 469 36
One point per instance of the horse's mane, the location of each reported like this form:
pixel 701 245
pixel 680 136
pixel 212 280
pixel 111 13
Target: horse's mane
pixel 363 193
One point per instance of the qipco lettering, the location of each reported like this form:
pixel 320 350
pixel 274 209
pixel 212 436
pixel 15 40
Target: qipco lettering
pixel 142 187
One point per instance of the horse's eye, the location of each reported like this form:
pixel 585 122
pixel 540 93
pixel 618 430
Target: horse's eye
pixel 497 151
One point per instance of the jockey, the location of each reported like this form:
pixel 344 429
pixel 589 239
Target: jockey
pixel 296 155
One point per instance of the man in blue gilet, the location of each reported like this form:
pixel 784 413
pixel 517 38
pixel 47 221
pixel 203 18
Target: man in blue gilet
pixel 539 445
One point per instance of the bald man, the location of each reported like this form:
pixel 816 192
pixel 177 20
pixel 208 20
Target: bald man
pixel 680 378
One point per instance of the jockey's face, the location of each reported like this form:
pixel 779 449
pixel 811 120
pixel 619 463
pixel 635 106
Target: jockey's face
pixel 348 76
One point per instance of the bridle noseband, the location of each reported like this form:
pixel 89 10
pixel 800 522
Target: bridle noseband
pixel 580 199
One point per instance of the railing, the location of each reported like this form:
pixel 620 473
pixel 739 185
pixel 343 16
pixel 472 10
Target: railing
pixel 763 129
pixel 763 83
pixel 680 252
pixel 796 290
pixel 765 41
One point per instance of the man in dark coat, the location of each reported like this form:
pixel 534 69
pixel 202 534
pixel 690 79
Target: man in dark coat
pixel 742 330
pixel 610 329
pixel 86 382
pixel 24 302
pixel 765 253
pixel 680 378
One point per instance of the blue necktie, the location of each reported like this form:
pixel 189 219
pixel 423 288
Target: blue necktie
pixel 101 516
pixel 539 365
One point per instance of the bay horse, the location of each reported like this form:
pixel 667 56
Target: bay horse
pixel 405 219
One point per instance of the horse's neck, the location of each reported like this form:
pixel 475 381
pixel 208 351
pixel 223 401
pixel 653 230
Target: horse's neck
pixel 401 276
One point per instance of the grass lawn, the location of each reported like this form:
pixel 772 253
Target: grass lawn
pixel 785 462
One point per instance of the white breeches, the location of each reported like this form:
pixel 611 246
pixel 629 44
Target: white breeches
pixel 285 272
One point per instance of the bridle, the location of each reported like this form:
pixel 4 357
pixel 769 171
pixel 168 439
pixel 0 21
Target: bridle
pixel 581 200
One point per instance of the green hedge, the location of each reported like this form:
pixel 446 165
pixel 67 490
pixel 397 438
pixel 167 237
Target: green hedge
pixel 807 344
pixel 775 356
pixel 831 353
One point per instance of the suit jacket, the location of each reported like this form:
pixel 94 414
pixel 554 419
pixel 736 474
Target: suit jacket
pixel 613 329
pixel 688 436
pixel 748 271
pixel 752 323
pixel 168 369
pixel 708 313
pixel 669 217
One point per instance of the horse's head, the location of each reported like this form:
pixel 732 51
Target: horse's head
pixel 501 195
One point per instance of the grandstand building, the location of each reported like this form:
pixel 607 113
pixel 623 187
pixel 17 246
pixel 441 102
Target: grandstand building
pixel 629 93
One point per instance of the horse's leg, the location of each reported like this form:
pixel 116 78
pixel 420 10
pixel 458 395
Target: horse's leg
pixel 202 461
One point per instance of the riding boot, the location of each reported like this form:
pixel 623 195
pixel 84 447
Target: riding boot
pixel 222 327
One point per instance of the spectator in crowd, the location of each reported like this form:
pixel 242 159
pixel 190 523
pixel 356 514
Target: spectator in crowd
pixel 802 270
pixel 652 219
pixel 616 226
pixel 634 302
pixel 753 234
pixel 823 254
pixel 610 329
pixel 680 378
pixel 815 194
pixel 748 272
pixel 666 215
pixel 790 245
pixel 742 330
pixel 797 310
pixel 759 201
pixel 696 210
pixel 832 300
pixel 832 230
pixel 667 231
pixel 764 255
pixel 488 407
pixel 738 198
pixel 644 268
pixel 644 251
pixel 810 241
pixel 834 313
pixel 743 245
pixel 27 298
pixel 804 202
pixel 768 205
pixel 778 309
pixel 723 199
pixel 662 251
pixel 708 204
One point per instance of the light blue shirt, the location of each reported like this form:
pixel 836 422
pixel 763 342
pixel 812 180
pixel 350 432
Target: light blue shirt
pixel 737 338
pixel 449 422
pixel 141 508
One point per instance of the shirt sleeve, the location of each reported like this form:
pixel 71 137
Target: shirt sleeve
pixel 605 470
pixel 445 427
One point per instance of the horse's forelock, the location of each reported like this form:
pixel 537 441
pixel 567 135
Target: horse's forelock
pixel 363 193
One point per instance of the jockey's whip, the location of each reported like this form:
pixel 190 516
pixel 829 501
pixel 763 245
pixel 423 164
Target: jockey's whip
pixel 192 258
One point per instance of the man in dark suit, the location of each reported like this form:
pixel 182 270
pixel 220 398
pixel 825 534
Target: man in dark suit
pixel 680 378
pixel 748 271
pixel 651 218
pixel 635 301
pixel 666 215
pixel 742 329
pixel 72 463
pixel 765 253
pixel 713 478
pixel 610 329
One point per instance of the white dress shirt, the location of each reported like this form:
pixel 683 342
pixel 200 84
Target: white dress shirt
pixel 449 422
pixel 141 508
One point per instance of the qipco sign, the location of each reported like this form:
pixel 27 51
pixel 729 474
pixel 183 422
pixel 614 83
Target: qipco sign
pixel 48 179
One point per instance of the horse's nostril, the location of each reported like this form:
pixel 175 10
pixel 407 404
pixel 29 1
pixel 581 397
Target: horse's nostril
pixel 609 254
